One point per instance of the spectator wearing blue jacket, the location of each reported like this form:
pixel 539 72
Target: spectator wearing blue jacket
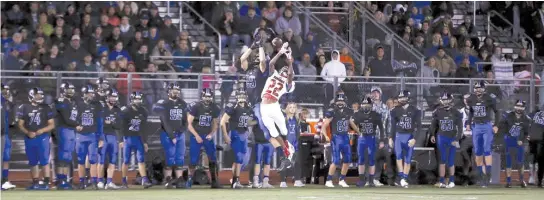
pixel 119 52
pixel 250 4
pixel 182 64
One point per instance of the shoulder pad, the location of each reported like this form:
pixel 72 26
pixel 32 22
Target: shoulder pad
pixel 193 103
pixel 123 108
pixel 330 110
pixel 160 101
pixel 21 106
pixel 230 105
pixel 61 99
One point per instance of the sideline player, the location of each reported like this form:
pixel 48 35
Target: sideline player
pixel 67 121
pixel 338 118
pixel 293 133
pixel 134 120
pixel 404 119
pixel 366 122
pixel 36 121
pixel 202 122
pixel 109 142
pixel 173 125
pixel 446 130
pixel 7 120
pixel 237 116
pixel 89 130
pixel 277 84
pixel 536 136
pixel 479 121
pixel 263 153
pixel 515 127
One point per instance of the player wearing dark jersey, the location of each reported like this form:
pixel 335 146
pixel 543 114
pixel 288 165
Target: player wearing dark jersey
pixel 479 121
pixel 338 118
pixel 36 121
pixel 109 141
pixel 7 122
pixel 237 116
pixel 90 128
pixel 263 153
pixel 66 118
pixel 404 121
pixel 102 87
pixel 203 121
pixel 172 112
pixel 515 127
pixel 368 124
pixel 446 130
pixel 133 122
pixel 536 138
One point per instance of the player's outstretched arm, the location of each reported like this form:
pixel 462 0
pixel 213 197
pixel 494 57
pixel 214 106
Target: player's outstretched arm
pixel 243 59
pixel 262 59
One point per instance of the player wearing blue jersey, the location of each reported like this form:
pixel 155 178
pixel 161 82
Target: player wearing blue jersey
pixel 338 118
pixel 404 120
pixel 7 131
pixel 238 117
pixel 35 120
pixel 515 127
pixel 481 105
pixel 446 131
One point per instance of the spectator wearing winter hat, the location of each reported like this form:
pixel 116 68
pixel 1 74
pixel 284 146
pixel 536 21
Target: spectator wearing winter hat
pixel 74 50
pixel 333 70
pixel 143 26
pixel 168 31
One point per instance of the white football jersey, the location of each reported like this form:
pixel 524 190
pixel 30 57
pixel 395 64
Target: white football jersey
pixel 276 85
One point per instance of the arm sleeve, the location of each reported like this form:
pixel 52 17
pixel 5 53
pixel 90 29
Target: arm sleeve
pixel 379 122
pixel 100 121
pixel 393 124
pixel 459 123
pixel 65 114
pixel 434 125
pixel 494 107
pixel 290 87
pixel 143 125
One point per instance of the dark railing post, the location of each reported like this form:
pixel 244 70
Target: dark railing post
pixel 129 89
pixel 363 39
pixel 59 82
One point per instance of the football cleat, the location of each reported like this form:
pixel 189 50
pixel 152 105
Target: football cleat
pixel 189 183
pixel 377 183
pixel 532 180
pixel 267 185
pixel 43 186
pixel 8 186
pixel 451 185
pixel 112 186
pixel 168 183
pixel 237 185
pixel 329 184
pixel 33 187
pixel 216 185
pixel 146 184
pixel 299 183
pixel 124 186
pixel 404 183
pixel 82 186
pixel 343 184
pixel 256 182
pixel 523 184
pixel 283 185
pixel 508 185
pixel 441 185
pixel 94 187
pixel 285 164
pixel 360 184
pixel 180 184
pixel 101 185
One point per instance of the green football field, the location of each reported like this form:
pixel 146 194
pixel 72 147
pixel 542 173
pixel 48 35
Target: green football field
pixel 310 192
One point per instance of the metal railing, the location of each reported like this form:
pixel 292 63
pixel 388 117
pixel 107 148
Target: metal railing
pixel 184 4
pixel 337 40
pixel 523 34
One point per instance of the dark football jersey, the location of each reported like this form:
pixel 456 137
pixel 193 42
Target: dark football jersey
pixel 515 127
pixel 173 115
pixel 481 108
pixel 340 120
pixel 405 120
pixel 368 122
pixel 35 117
pixel 239 117
pixel 203 116
pixel 447 122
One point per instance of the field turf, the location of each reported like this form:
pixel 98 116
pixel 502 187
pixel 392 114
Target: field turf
pixel 310 192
